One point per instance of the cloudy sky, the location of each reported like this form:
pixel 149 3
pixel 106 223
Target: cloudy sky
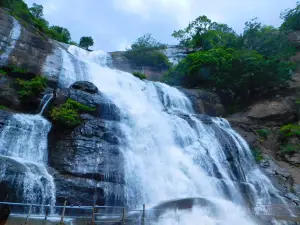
pixel 115 24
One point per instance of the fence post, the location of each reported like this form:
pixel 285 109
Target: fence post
pixel 93 214
pixel 143 216
pixel 46 213
pixel 27 218
pixel 63 213
pixel 123 217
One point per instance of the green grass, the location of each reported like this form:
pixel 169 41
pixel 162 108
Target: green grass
pixel 140 75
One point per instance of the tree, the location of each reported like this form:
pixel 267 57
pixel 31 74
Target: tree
pixel 86 42
pixel 37 10
pixel 203 34
pixel 60 33
pixel 146 51
pixel 148 43
pixel 291 19
pixel 267 40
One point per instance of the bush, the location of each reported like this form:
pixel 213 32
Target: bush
pixel 68 114
pixel 289 148
pixel 236 75
pixel 264 133
pixel 290 130
pixel 2 72
pixel 31 88
pixel 140 75
pixel 291 19
pixel 2 107
pixel 257 154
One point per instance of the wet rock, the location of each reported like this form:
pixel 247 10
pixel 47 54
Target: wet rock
pixel 31 49
pixel 85 86
pixel 292 197
pixel 111 138
pixel 204 102
pixel 4 116
pixel 293 159
pixel 8 95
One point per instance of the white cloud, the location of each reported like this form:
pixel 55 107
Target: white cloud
pixel 182 11
pixel 50 8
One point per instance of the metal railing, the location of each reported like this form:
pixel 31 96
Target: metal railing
pixel 123 215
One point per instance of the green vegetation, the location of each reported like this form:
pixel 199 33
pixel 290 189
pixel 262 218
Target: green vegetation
pixel 18 70
pixel 264 133
pixel 291 19
pixel 34 16
pixel 2 107
pixel 2 72
pixel 290 130
pixel 140 75
pixel 31 88
pixel 146 51
pixel 237 67
pixel 257 154
pixel 86 42
pixel 289 148
pixel 289 136
pixel 68 114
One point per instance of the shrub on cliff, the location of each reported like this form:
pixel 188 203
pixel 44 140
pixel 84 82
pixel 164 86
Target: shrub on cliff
pixel 140 75
pixel 31 88
pixel 68 114
pixel 34 16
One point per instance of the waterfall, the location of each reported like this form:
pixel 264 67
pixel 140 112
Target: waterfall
pixel 172 153
pixel 44 102
pixel 12 40
pixel 23 145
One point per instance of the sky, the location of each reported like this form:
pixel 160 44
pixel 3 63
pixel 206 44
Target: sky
pixel 115 24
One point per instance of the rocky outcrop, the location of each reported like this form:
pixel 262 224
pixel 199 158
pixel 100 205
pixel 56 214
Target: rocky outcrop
pixel 282 110
pixel 204 102
pixel 87 158
pixel 30 49
pixel 121 62
pixel 260 125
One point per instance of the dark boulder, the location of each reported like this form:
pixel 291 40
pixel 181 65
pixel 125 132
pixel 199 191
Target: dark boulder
pixel 85 86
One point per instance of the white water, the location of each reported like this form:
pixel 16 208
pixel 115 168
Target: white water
pixel 12 40
pixel 23 139
pixel 44 102
pixel 168 157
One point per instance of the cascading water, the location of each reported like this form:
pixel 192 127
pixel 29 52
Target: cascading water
pixel 12 40
pixel 170 152
pixel 23 140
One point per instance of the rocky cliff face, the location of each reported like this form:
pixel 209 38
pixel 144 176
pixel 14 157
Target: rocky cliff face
pixel 87 159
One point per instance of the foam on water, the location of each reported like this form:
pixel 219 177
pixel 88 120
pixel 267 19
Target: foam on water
pixel 23 140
